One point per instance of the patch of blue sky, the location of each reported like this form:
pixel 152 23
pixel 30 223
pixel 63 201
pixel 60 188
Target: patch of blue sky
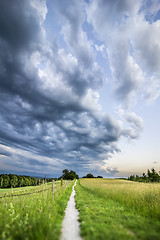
pixel 101 58
pixel 106 99
pixel 145 6
pixel 53 27
pixel 104 63
pixel 88 29
pixel 151 14
pixel 130 46
pixel 156 16
pixel 120 20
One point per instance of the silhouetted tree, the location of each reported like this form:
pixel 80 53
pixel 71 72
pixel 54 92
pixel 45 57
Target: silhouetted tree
pixel 152 176
pixel 144 176
pixel 65 171
pixel 69 175
pixel 89 175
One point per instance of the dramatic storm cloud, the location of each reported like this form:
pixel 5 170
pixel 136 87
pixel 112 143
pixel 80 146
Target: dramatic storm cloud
pixel 51 73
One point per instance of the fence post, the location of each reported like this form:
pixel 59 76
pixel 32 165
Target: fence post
pixel 43 184
pixel 53 189
pixel 61 182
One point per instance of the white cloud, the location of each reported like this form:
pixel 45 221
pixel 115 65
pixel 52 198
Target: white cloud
pixel 40 7
pixel 132 44
pixel 132 118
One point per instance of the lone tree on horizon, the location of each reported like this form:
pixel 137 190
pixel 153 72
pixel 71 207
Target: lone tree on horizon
pixel 69 175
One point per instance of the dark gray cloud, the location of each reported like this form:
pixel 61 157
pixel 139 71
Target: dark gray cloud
pixel 50 118
pixel 4 153
pixel 19 24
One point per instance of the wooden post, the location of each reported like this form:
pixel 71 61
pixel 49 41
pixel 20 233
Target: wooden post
pixel 53 189
pixel 61 182
pixel 43 184
pixel 2 182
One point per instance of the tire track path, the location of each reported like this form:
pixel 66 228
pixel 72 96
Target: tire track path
pixel 71 226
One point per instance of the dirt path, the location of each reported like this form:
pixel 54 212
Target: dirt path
pixel 70 226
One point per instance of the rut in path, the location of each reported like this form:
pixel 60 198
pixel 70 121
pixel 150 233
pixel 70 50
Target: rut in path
pixel 70 226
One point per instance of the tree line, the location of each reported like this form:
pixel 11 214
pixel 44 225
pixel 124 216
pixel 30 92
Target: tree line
pixel 13 180
pixel 151 176
pixel 90 175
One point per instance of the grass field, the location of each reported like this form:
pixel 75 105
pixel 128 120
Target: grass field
pixel 35 216
pixel 118 209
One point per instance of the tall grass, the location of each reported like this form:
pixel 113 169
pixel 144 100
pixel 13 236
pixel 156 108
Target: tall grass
pixel 104 213
pixel 141 197
pixel 35 216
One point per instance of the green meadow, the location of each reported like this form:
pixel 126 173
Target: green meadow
pixel 118 209
pixel 33 216
pixel 108 209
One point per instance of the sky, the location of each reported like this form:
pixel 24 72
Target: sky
pixel 79 87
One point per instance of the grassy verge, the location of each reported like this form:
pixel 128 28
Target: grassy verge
pixel 103 218
pixel 34 216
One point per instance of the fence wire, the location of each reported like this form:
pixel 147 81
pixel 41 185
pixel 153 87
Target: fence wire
pixel 23 194
pixel 29 193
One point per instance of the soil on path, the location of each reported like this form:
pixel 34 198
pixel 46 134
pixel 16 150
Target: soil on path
pixel 71 226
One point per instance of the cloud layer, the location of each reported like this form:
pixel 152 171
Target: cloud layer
pixel 130 32
pixel 50 113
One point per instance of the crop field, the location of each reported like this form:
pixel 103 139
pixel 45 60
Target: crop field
pixel 118 209
pixel 34 215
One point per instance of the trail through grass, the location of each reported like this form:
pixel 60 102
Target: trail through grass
pixel 105 213
pixel 34 216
